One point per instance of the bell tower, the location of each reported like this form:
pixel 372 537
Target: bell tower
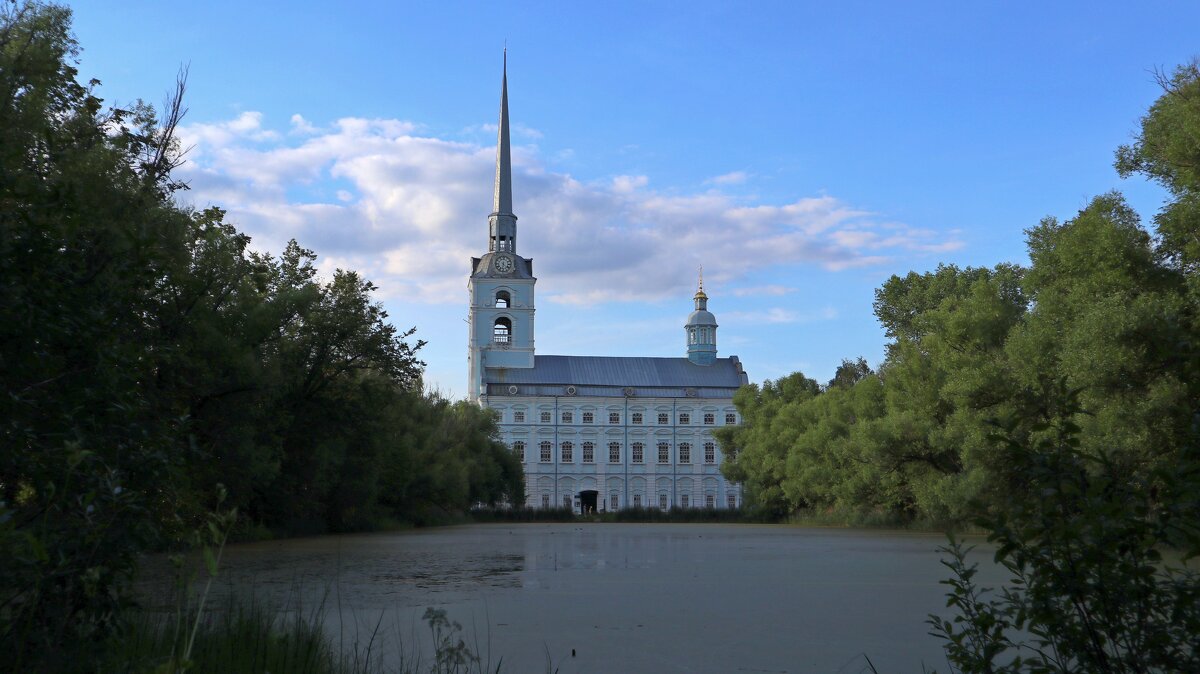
pixel 501 284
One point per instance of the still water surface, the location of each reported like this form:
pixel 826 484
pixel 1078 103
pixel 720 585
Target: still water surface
pixel 625 597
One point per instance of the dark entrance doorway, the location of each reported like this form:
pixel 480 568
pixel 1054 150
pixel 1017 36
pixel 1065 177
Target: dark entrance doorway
pixel 587 501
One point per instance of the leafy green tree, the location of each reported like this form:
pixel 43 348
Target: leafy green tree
pixel 148 358
pixel 1107 321
pixel 1166 151
pixel 756 452
pixel 1090 590
pixel 86 227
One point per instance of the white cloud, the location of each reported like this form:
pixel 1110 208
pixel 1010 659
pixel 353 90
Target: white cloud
pixel 245 127
pixel 767 290
pixel 629 184
pixel 777 315
pixel 527 131
pixel 302 126
pixel 733 178
pixel 408 211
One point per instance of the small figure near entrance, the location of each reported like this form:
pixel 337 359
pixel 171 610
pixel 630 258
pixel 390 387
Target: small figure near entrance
pixel 587 501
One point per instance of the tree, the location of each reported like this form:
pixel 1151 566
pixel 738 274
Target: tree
pixel 1166 151
pixel 1090 590
pixel 148 358
pixel 85 238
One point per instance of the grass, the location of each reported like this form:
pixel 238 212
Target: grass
pixel 244 639
pixel 252 638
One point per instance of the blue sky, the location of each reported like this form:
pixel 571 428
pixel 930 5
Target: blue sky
pixel 802 152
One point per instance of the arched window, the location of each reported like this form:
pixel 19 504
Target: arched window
pixel 544 449
pixel 502 331
pixel 685 452
pixel 519 449
pixel 503 299
pixel 589 452
pixel 639 450
pixel 568 452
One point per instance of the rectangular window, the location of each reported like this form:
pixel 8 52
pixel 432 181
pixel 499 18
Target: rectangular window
pixel 544 450
pixel 568 417
pixel 710 452
pixel 589 452
pixel 637 419
pixel 684 418
pixel 685 452
pixel 545 500
pixel 710 501
pixel 663 419
pixel 518 417
pixel 614 417
pixel 614 452
pixel 519 449
pixel 612 502
pixel 568 453
pixel 731 500
pixel 664 452
pixel 546 417
pixel 588 417
pixel 567 501
pixel 730 419
pixel 637 500
pixel 683 500
pixel 709 418
pixel 639 452
pixel 662 501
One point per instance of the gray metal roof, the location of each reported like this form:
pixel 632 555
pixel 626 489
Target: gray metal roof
pixel 622 372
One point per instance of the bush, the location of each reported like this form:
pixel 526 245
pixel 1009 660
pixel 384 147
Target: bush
pixel 1090 590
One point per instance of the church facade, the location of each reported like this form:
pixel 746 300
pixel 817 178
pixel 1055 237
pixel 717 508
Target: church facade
pixel 594 432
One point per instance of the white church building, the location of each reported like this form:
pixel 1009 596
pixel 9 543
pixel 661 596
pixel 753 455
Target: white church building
pixel 594 432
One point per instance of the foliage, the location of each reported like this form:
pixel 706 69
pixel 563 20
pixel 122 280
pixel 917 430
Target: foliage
pixel 1090 590
pixel 1102 462
pixel 1166 151
pixel 246 638
pixel 148 355
pixel 1105 308
pixel 1097 310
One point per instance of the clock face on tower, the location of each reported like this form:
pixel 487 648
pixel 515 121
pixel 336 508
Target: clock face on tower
pixel 503 264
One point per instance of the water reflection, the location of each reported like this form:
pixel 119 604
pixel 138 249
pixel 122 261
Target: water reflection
pixel 626 597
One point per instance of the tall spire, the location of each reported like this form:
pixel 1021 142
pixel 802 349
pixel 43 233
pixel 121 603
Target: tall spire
pixel 503 224
pixel 502 200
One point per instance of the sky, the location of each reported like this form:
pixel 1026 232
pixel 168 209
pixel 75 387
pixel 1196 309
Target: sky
pixel 802 152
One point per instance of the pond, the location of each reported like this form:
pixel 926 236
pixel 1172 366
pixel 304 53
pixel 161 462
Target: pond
pixel 594 597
